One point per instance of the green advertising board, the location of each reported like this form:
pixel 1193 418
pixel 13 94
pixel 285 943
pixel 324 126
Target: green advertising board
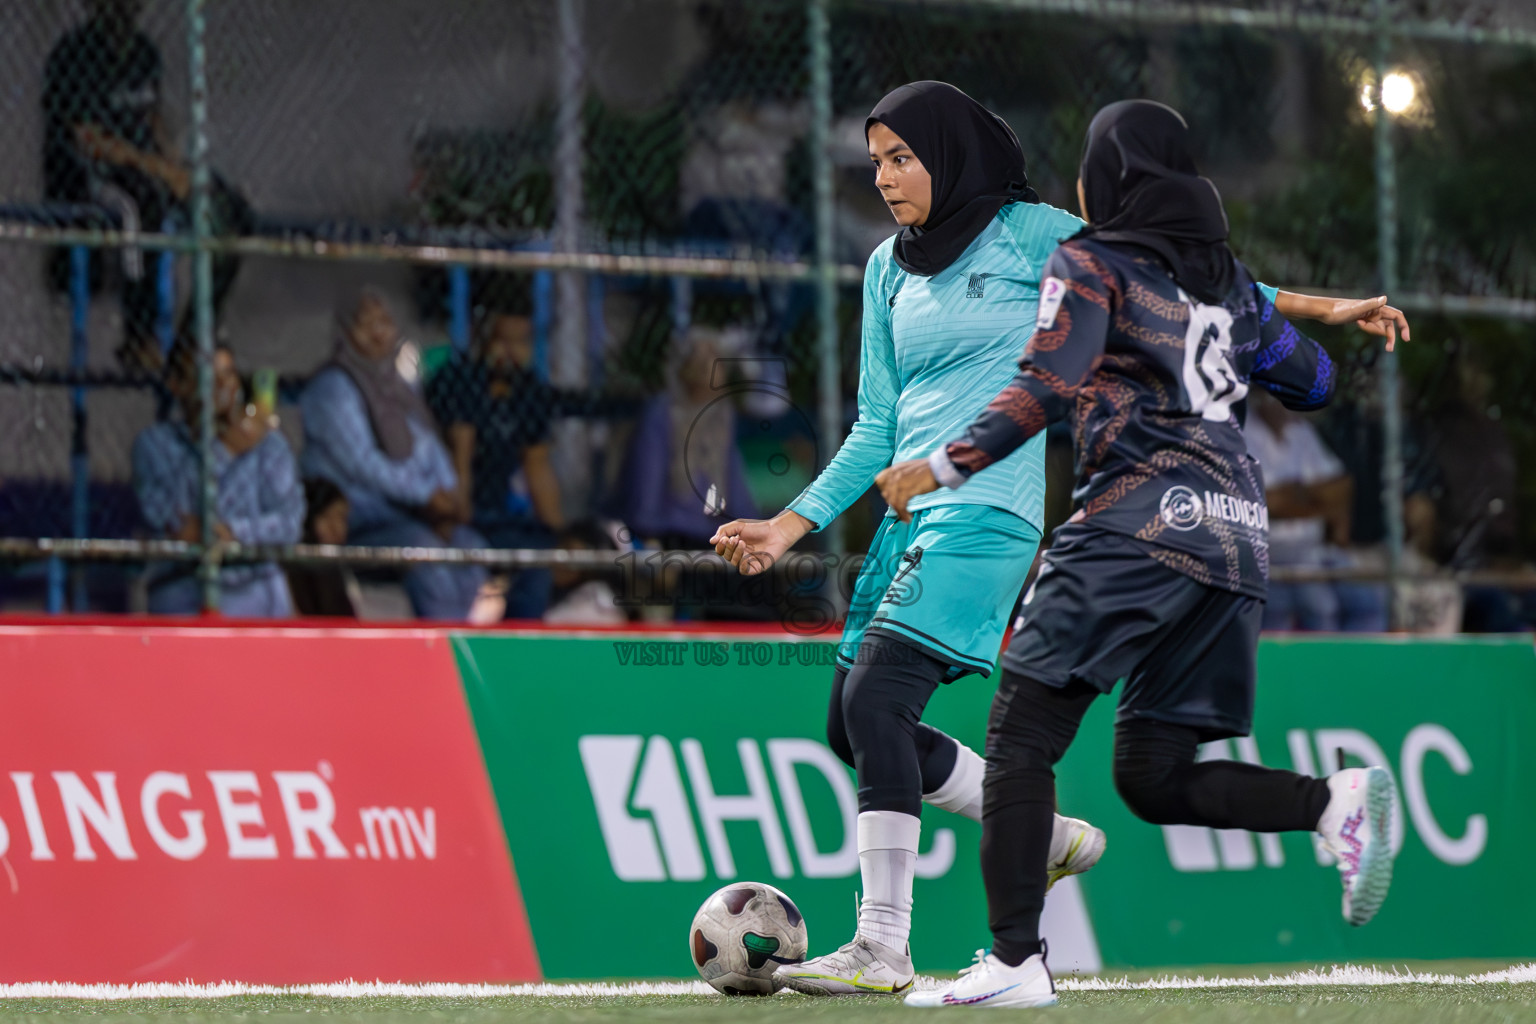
pixel 636 774
pixel 1451 719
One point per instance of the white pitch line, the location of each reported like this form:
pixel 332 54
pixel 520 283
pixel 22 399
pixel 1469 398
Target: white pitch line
pixel 343 990
pixel 1337 975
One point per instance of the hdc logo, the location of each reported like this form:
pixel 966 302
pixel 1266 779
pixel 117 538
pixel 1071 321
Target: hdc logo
pixel 651 827
pixel 1202 849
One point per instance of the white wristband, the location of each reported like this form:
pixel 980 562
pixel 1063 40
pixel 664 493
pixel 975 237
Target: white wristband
pixel 944 470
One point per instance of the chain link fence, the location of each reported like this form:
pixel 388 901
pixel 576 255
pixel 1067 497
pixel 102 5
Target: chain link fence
pixel 622 243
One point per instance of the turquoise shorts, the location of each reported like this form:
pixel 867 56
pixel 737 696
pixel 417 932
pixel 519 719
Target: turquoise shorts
pixel 947 581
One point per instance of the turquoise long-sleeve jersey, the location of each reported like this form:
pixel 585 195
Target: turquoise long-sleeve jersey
pixel 935 351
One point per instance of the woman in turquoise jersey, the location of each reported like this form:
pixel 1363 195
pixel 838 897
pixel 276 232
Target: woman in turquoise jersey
pixel 949 303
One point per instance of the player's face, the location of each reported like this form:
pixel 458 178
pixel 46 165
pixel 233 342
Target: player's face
pixel 903 181
pixel 1082 199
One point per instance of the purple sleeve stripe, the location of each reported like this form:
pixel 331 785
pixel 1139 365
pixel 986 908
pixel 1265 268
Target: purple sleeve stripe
pixel 1277 351
pixel 1323 383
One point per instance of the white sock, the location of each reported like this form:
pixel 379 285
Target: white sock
pixel 887 862
pixel 961 793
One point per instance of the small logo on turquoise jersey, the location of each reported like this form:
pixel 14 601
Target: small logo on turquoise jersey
pixel 977 286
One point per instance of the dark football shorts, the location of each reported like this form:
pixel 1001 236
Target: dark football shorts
pixel 1102 610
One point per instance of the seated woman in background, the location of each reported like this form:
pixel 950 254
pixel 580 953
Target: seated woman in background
pixel 259 499
pixel 367 429
pixel 682 451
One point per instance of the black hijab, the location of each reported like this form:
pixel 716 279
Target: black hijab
pixel 1140 185
pixel 974 159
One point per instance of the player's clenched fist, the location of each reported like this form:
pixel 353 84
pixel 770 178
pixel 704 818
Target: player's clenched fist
pixel 754 545
pixel 903 481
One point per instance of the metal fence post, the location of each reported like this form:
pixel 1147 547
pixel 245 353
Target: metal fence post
pixel 570 167
pixel 459 309
pixel 568 340
pixel 1391 408
pixel 202 297
pixel 829 376
pixel 79 446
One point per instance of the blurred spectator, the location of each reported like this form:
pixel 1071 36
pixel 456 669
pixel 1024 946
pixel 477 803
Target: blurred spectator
pixel 497 416
pixel 105 143
pixel 368 430
pixel 1424 604
pixel 259 499
pixel 683 446
pixel 1310 499
pixel 587 598
pixel 330 589
pixel 1476 512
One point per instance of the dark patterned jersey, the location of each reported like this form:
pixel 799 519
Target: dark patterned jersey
pixel 1149 378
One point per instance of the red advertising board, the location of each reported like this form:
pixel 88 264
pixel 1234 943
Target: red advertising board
pixel 276 806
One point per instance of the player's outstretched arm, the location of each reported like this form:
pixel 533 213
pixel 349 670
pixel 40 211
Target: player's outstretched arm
pixel 754 545
pixel 1373 316
pixel 1076 299
pixel 871 444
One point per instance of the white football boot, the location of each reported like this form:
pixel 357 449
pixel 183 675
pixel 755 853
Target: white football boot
pixel 1076 846
pixel 991 983
pixel 863 967
pixel 1357 829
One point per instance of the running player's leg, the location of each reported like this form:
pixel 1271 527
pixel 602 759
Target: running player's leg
pixel 1197 684
pixel 952 777
pixel 1029 730
pixel 910 590
pixel 942 614
pixel 837 732
pixel 883 702
pixel 938 754
pixel 878 705
pixel 1159 779
pixel 1089 619
pixel 890 749
pixel 953 592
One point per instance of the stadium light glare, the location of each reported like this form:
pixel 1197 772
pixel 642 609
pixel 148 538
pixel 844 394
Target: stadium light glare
pixel 1399 93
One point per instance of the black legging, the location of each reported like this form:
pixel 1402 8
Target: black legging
pixel 873 724
pixel 1029 730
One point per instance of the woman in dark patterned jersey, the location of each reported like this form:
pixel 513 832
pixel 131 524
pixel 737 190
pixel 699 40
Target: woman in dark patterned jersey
pixel 1149 333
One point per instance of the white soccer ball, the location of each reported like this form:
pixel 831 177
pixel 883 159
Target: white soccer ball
pixel 740 936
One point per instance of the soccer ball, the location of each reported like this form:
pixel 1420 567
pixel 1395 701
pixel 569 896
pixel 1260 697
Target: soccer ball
pixel 740 936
